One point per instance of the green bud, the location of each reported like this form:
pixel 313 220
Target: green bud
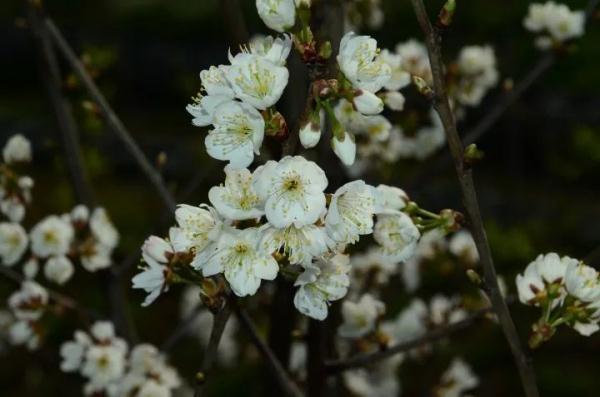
pixel 474 277
pixel 325 50
pixel 447 13
pixel 422 86
pixel 472 155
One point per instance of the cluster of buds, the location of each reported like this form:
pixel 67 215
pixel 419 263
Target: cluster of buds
pixel 567 291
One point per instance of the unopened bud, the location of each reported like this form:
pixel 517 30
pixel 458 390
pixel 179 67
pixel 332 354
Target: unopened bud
pixel 161 160
pixel 472 155
pixel 452 220
pixel 310 132
pixel 422 86
pixel 344 148
pixel 276 126
pixel 447 13
pixel 323 88
pixel 367 103
pixel 200 377
pixel 474 277
pixel 325 50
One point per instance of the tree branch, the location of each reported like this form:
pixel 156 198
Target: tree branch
pixel 501 106
pixel 360 360
pixel 219 322
pixel 181 330
pixel 287 384
pixel 110 116
pixel 67 127
pixel 469 195
pixel 61 299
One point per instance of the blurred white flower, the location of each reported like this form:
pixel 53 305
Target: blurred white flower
pixel 51 236
pixel 320 284
pixel 59 269
pixel 397 235
pixel 29 302
pixel 462 245
pixel 17 150
pixel 359 318
pixel 13 242
pixel 457 379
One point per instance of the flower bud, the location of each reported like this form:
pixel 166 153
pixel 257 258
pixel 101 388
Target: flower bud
pixel 394 100
pixel 310 133
pixel 422 86
pixel 447 13
pixel 367 103
pixel 345 149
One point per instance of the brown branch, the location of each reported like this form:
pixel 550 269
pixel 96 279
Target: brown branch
pixel 63 300
pixel 210 354
pixel 360 360
pixel 110 116
pixel 287 384
pixel 502 105
pixel 67 127
pixel 181 330
pixel 469 196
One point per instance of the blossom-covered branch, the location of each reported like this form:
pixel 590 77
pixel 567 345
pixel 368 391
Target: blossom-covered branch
pixel 469 195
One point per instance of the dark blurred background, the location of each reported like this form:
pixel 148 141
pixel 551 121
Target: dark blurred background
pixel 539 184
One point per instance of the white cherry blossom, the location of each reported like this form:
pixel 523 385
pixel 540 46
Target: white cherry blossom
pixel 360 62
pixel 327 281
pixel 256 80
pixel 351 211
pixel 278 15
pixel 299 244
pixel 237 134
pixel 457 379
pixel 238 255
pixel 292 190
pixel 200 225
pixel 275 50
pixel 236 199
pixel 582 281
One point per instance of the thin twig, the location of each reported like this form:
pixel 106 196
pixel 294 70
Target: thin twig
pixel 469 195
pixel 365 359
pixel 287 384
pixel 210 354
pixel 67 127
pixel 63 300
pixel 502 105
pixel 110 116
pixel 181 330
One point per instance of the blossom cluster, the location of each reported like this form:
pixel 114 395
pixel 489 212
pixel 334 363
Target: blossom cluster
pixel 555 23
pixel 278 217
pixel 568 292
pixel 15 189
pixel 112 369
